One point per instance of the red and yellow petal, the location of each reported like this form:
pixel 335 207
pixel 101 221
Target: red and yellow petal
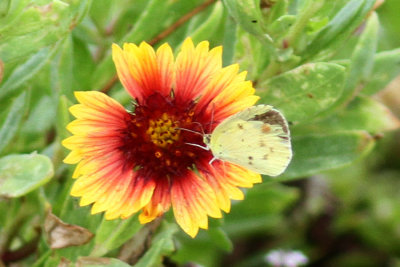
pixel 141 192
pixel 193 200
pixel 142 71
pixel 159 203
pixel 103 177
pixel 225 179
pixel 235 96
pixel 194 68
pixel 96 129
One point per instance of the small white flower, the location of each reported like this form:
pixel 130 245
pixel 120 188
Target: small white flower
pixel 282 258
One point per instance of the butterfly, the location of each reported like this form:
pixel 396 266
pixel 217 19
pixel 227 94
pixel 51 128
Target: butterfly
pixel 256 138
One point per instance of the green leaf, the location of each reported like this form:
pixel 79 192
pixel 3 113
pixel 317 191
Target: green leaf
pixel 386 68
pixel 161 244
pixel 277 10
pixel 361 61
pixel 101 11
pixel 282 25
pixel 248 14
pixel 363 113
pixel 209 26
pixel 112 234
pixel 13 117
pixel 319 152
pixel 340 27
pixel 151 19
pixel 220 238
pixel 83 64
pixel 262 210
pixel 37 26
pixel 10 11
pixel 24 72
pixel 41 116
pixel 304 92
pixel 1 71
pixel 21 174
pixel 251 54
pixel 63 117
pixel 229 42
pixel 78 10
pixel 64 69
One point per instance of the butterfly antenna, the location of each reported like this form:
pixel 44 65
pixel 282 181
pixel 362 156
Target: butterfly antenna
pixel 201 126
pixel 188 130
pixel 200 146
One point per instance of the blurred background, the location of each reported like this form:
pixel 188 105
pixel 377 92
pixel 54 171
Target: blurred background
pixel 332 67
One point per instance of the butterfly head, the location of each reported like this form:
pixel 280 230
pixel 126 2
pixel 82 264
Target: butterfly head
pixel 207 139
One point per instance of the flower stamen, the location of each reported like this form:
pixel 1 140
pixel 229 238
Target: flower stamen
pixel 163 131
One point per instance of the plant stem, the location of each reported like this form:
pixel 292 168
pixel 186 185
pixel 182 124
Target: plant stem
pixel 298 27
pixel 272 69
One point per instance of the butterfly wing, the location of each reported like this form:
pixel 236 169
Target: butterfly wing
pixel 256 138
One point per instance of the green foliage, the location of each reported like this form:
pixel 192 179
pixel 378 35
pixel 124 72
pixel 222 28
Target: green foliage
pixel 306 91
pixel 21 174
pixel 314 153
pixel 324 64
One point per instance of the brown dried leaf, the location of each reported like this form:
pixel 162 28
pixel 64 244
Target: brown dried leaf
pixel 62 235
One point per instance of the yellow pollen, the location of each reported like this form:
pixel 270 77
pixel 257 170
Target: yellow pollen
pixel 163 131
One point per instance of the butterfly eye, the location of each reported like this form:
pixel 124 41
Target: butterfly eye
pixel 207 138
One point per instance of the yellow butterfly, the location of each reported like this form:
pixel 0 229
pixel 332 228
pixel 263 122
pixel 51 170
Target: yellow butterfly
pixel 256 138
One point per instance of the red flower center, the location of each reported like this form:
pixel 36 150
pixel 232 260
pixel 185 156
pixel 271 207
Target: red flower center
pixel 155 143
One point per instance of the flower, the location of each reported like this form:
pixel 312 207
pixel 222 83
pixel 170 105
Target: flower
pixel 145 160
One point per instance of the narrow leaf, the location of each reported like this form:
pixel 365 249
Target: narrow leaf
pixel 24 72
pixel 39 25
pixel 209 26
pixel 386 68
pixel 340 27
pixel 248 14
pixel 220 238
pixel 362 60
pixel 161 243
pixel 262 209
pixel 363 113
pixel 229 42
pixel 13 118
pixel 317 153
pixel 112 234
pixel 1 71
